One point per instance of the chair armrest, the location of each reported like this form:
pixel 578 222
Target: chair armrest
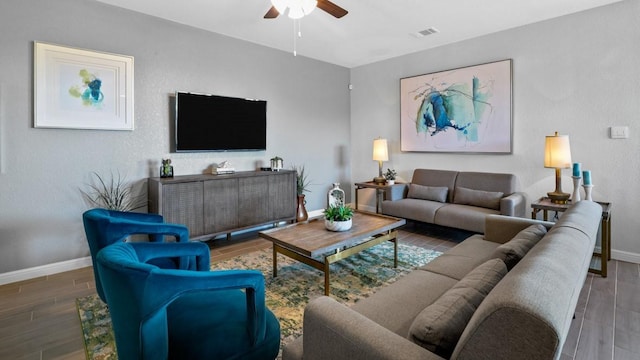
pixel 128 227
pixel 333 331
pixel 164 286
pixel 396 192
pixel 136 216
pixel 198 251
pixel 514 205
pixel 500 228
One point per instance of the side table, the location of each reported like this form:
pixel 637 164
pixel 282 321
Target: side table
pixel 600 259
pixel 379 188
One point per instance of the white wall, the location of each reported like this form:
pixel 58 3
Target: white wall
pixel 42 170
pixel 578 75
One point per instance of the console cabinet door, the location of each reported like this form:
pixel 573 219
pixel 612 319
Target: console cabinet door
pixel 220 205
pixel 253 200
pixel 282 196
pixel 182 204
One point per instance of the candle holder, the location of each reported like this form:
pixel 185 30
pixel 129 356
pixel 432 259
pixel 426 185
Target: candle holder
pixel 575 197
pixel 587 192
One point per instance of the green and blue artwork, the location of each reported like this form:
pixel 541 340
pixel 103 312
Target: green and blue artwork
pixel 89 92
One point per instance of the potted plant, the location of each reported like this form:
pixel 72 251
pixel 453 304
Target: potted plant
pixel 302 186
pixel 390 175
pixel 114 193
pixel 338 218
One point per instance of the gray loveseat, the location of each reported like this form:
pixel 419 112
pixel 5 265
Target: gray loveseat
pixel 526 315
pixel 455 199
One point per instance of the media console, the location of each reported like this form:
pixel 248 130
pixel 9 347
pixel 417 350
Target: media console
pixel 211 205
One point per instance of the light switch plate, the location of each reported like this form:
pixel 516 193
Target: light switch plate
pixel 619 132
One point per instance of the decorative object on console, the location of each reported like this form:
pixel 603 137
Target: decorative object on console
pixel 588 186
pixel 338 218
pixel 390 176
pixel 224 167
pixel 166 171
pixel 557 155
pixel 335 197
pixel 380 154
pixel 302 185
pixel 276 163
pixel 82 89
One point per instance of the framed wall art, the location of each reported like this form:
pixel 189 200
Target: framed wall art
pixel 82 89
pixel 464 110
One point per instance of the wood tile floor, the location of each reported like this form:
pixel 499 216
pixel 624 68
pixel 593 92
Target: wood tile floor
pixel 38 318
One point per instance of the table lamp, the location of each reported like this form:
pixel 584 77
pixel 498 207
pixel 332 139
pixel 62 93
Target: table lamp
pixel 557 155
pixel 380 154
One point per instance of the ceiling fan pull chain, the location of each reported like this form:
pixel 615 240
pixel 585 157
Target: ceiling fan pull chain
pixel 295 40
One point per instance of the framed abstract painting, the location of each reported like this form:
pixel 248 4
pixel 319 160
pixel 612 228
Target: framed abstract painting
pixel 464 110
pixel 82 89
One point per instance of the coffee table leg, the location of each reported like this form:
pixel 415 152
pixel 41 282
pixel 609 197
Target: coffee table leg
pixel 395 252
pixel 275 261
pixel 327 290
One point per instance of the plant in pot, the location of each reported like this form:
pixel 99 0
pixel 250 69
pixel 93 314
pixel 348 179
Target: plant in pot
pixel 338 218
pixel 390 175
pixel 302 186
pixel 113 193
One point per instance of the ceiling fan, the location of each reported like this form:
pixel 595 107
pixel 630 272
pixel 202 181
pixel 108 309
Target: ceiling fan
pixel 279 6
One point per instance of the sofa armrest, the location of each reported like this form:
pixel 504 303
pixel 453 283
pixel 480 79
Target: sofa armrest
pixel 333 331
pixel 514 205
pixel 501 228
pixel 396 192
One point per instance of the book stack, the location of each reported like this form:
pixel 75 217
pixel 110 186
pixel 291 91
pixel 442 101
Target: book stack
pixel 223 170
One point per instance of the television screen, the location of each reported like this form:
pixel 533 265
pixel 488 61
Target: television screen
pixel 219 123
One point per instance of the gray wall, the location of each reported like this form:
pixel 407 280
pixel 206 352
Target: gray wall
pixel 577 75
pixel 42 170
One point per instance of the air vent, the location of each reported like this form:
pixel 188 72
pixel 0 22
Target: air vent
pixel 426 32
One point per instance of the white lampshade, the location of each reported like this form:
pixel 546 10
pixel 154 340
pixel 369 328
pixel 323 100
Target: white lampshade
pixel 380 151
pixel 557 152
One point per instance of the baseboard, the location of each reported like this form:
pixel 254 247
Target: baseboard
pixel 44 270
pixel 625 256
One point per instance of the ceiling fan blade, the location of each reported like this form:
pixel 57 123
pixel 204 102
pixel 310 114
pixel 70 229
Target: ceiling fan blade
pixel 272 13
pixel 332 8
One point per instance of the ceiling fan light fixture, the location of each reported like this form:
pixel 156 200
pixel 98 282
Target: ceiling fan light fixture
pixel 280 5
pixel 296 12
pixel 308 6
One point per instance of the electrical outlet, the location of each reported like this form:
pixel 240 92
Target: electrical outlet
pixel 619 132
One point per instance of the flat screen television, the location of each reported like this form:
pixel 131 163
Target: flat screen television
pixel 219 123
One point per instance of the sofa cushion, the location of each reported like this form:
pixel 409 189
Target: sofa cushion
pixel 515 249
pixel 462 258
pixel 465 217
pixel 415 209
pixel 481 198
pixel 434 193
pixel 439 326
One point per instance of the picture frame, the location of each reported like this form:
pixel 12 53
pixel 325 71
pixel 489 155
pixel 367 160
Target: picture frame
pixel 463 110
pixel 82 89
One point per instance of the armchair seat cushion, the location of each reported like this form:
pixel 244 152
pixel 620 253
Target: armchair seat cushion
pixel 192 336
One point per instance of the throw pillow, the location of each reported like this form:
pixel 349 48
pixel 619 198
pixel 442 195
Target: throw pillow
pixel 439 326
pixel 434 193
pixel 515 249
pixel 485 199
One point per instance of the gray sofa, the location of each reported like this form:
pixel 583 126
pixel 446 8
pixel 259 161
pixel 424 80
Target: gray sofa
pixel 526 315
pixel 455 199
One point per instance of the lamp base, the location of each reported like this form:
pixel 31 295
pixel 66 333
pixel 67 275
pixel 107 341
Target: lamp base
pixel 379 180
pixel 558 197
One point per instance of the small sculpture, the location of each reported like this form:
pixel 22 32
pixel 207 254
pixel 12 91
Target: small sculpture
pixel 166 170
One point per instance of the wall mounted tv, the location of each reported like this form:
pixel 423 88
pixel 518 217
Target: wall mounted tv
pixel 219 123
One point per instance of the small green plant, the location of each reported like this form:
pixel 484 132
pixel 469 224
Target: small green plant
pixel 113 194
pixel 338 213
pixel 302 182
pixel 390 174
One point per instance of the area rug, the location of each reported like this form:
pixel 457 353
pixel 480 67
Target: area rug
pixel 352 279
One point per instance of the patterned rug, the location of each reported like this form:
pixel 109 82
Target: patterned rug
pixel 286 295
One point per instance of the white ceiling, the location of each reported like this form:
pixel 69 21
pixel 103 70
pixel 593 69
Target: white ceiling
pixel 373 30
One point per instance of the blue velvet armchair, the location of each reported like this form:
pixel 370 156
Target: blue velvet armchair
pixel 105 227
pixel 185 314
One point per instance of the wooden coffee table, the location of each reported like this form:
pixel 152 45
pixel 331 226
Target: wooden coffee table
pixel 312 244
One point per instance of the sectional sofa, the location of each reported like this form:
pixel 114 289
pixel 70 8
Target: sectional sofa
pixel 508 294
pixel 455 199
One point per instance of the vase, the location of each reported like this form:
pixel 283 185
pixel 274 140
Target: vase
pixel 333 225
pixel 391 182
pixel 576 189
pixel 301 213
pixel 335 197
